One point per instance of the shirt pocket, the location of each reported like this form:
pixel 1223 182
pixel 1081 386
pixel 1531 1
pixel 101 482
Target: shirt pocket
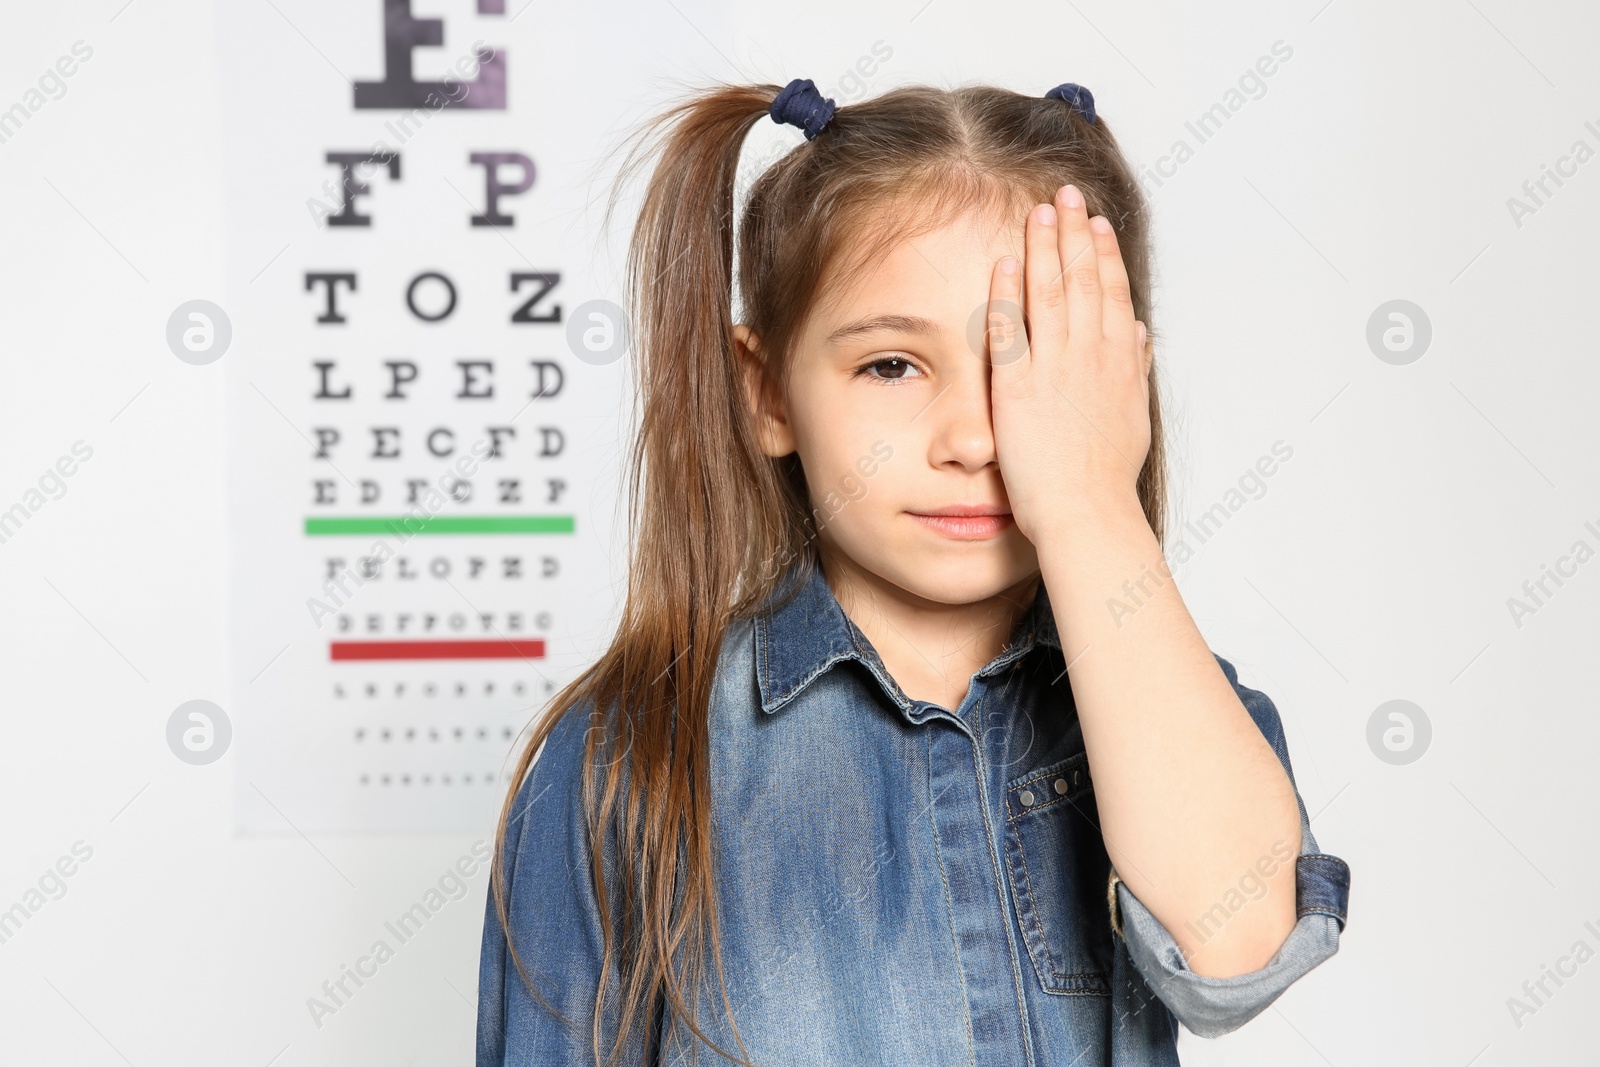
pixel 1058 868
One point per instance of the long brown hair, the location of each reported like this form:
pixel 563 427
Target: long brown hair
pixel 712 520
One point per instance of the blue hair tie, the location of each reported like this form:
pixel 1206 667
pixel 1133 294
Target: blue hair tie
pixel 1081 99
pixel 799 104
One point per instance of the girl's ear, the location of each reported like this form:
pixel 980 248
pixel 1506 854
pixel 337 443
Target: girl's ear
pixel 773 433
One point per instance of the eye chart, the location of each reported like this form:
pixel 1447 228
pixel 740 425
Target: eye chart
pixel 425 392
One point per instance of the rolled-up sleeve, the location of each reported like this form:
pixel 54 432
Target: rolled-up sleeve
pixel 1210 1006
pixel 553 918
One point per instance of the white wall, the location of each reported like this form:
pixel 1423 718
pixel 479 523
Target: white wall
pixel 1376 165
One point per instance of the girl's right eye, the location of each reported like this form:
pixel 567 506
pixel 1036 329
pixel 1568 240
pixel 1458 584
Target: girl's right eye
pixel 898 369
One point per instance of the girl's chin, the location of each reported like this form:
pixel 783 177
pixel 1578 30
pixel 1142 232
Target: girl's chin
pixel 946 570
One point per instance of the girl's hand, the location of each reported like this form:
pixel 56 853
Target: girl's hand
pixel 1070 385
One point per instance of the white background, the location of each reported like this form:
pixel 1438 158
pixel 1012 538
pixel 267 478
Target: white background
pixel 1377 165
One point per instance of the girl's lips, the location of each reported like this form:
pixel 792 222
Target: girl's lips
pixel 964 527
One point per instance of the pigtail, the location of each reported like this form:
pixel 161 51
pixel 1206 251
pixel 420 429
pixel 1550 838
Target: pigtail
pixel 692 473
pixel 691 478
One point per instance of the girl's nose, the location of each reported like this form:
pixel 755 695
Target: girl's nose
pixel 964 424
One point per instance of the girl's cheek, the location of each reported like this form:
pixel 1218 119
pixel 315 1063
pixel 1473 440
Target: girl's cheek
pixel 849 438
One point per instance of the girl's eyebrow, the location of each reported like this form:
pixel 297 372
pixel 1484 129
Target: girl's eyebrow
pixel 878 323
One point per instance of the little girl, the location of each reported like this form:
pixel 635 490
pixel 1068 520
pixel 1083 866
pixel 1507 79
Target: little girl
pixel 906 749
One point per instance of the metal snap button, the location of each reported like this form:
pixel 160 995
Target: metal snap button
pixel 1026 796
pixel 1061 785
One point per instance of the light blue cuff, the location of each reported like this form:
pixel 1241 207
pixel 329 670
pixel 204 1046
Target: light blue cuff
pixel 1210 1006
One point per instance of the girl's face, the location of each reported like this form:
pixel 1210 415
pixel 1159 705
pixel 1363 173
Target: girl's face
pixel 888 407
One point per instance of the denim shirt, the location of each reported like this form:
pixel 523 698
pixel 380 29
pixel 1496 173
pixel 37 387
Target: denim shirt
pixel 897 881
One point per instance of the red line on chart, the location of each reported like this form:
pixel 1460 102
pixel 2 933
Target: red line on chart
pixel 532 648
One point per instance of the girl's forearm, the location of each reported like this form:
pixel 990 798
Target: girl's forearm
pixel 1192 798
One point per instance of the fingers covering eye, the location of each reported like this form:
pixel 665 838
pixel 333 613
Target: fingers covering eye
pixel 1002 327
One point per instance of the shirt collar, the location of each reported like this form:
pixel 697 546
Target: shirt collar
pixel 799 637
